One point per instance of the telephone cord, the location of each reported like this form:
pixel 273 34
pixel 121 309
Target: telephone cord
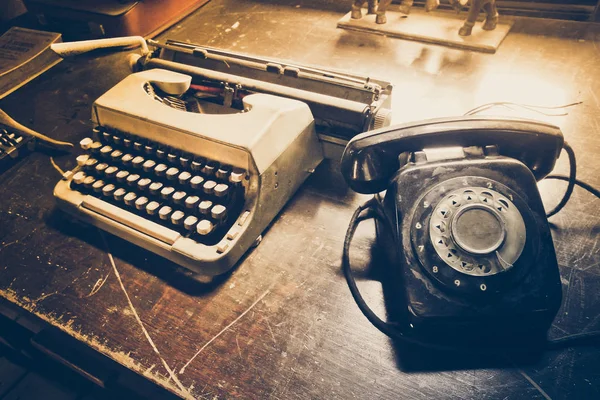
pixel 571 181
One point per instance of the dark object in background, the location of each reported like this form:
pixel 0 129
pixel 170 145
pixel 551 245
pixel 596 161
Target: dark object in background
pixel 111 18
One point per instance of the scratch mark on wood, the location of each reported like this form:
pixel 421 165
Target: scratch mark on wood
pixel 138 319
pixel 238 346
pixel 270 330
pixel 98 285
pixel 535 385
pixel 262 296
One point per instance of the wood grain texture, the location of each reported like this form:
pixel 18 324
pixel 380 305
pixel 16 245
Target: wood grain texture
pixel 283 324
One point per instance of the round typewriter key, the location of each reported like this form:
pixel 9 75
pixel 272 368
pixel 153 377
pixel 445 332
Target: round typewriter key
pixel 172 158
pixel 86 143
pixel 191 201
pixel 111 171
pixel 223 172
pixel 209 187
pixel 190 222
pixel 184 177
pixel 236 176
pixel 164 212
pixel 106 150
pixel 196 181
pixel 117 139
pixel 116 155
pixel 218 212
pixel 81 160
pixel 221 190
pixel 100 168
pixel 179 196
pixel 98 185
pixel 160 169
pixel 95 147
pixel 144 183
pixel 166 192
pixel 126 159
pixel 161 154
pixel 172 173
pixel 196 165
pixel 127 142
pixel 91 162
pixel 204 227
pixel 137 146
pixel 141 202
pixel 107 137
pixel 119 194
pixel 177 217
pixel 148 165
pixel 184 162
pixel 155 187
pixel 132 179
pixel 204 206
pixel 209 169
pixel 79 177
pixel 108 190
pixel 137 162
pixel 148 150
pixel 152 207
pixel 130 198
pixel 122 175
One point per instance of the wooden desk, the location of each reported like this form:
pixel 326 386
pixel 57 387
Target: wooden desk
pixel 283 324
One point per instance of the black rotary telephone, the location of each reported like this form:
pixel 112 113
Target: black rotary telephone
pixel 469 250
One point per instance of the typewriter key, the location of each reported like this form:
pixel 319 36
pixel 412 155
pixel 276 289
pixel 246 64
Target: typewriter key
pixel 108 190
pixel 79 177
pixel 100 168
pixel 204 206
pixel 111 171
pixel 179 196
pixel 81 160
pixel 88 181
pixel 116 155
pixel 152 207
pixel 160 169
pixel 149 150
pixel 144 183
pixel 164 212
pixel 161 154
pixel 172 158
pixel 127 142
pixel 155 187
pixel 107 137
pixel 223 172
pixel 119 194
pixel 218 212
pixel 105 151
pixel 98 185
pixel 184 162
pixel 166 192
pixel 190 222
pixel 209 169
pixel 132 179
pixel 236 176
pixel 191 201
pixel 196 166
pixel 122 175
pixel 209 187
pixel 117 139
pixel 95 147
pixel 137 146
pixel 221 190
pixel 184 177
pixel 90 163
pixel 137 162
pixel 86 143
pixel 204 227
pixel 141 202
pixel 148 165
pixel 177 217
pixel 196 181
pixel 130 198
pixel 172 173
pixel 126 159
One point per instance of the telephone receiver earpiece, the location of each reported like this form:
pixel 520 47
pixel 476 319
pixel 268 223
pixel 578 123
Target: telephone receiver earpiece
pixel 371 159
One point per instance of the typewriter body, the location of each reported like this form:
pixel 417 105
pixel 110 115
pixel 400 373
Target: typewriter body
pixel 198 188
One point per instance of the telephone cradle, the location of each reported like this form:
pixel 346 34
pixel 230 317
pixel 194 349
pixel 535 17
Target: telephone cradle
pixel 463 226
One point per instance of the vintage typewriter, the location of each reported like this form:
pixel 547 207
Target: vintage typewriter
pixel 193 164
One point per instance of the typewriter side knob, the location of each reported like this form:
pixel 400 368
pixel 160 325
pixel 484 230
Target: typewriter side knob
pixel 382 119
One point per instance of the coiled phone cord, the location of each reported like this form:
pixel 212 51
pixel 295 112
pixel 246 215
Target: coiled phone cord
pixel 396 332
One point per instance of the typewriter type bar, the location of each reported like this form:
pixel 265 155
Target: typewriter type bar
pixel 191 180
pixel 343 104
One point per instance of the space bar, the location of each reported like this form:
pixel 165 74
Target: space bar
pixel 131 220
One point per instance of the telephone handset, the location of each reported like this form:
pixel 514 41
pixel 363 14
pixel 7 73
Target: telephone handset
pixel 462 224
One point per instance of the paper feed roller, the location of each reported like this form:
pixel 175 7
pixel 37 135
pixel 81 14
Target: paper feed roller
pixel 193 187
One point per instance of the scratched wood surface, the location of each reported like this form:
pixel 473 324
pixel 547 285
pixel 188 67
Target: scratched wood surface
pixel 283 324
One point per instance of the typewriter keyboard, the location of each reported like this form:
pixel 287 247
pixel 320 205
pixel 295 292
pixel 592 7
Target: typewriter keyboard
pixel 10 142
pixel 196 197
